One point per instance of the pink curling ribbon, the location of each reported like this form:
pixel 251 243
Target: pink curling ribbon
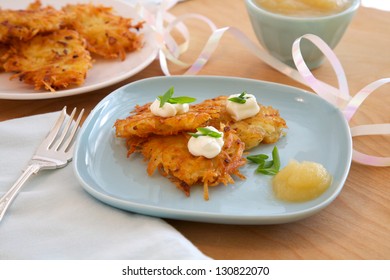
pixel 341 97
pixel 162 23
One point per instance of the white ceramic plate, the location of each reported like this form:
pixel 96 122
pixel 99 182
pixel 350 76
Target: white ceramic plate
pixel 317 132
pixel 103 73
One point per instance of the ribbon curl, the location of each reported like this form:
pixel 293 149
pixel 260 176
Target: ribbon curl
pixel 340 97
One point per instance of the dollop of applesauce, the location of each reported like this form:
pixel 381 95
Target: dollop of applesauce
pixel 304 7
pixel 301 181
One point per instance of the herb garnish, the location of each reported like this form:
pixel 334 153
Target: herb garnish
pixel 267 167
pixel 204 131
pixel 167 98
pixel 241 99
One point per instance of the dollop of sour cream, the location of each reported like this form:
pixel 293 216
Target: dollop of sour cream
pixel 168 109
pixel 206 146
pixel 240 111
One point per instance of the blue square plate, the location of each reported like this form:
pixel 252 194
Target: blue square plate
pixel 317 131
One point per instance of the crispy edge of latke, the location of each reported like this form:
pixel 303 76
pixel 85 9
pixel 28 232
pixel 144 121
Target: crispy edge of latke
pixel 26 24
pixel 230 163
pixel 47 76
pixel 4 54
pixel 142 122
pixel 113 38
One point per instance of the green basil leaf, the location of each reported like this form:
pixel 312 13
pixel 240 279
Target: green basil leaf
pixel 241 99
pixel 267 167
pixel 237 100
pixel 257 158
pixel 167 98
pixel 268 164
pixel 276 158
pixel 242 94
pixel 163 99
pixel 181 100
pixel 195 135
pixel 206 132
pixel 209 132
pixel 267 171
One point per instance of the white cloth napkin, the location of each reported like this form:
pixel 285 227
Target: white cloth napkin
pixel 54 218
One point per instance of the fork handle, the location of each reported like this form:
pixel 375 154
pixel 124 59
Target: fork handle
pixel 10 195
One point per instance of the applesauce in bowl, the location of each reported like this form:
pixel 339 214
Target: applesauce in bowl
pixel 305 8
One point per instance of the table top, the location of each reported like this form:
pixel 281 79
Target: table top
pixel 357 224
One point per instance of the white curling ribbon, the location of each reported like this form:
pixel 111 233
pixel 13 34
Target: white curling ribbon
pixel 372 129
pixel 341 97
pixel 169 50
pixel 162 23
pixel 338 97
pixel 172 53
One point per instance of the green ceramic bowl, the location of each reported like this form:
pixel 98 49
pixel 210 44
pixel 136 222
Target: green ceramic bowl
pixel 277 32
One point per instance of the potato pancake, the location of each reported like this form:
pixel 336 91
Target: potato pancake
pixel 107 34
pixel 143 123
pixel 25 24
pixel 265 127
pixel 51 61
pixel 4 54
pixel 170 156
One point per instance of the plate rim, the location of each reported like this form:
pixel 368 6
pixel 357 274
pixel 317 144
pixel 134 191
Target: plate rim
pixel 202 216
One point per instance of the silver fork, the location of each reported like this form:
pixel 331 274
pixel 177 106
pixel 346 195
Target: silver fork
pixel 55 151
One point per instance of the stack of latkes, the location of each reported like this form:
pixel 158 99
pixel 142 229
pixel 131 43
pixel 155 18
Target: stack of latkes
pixel 52 49
pixel 163 141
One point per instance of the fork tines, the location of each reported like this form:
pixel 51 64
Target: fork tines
pixel 63 140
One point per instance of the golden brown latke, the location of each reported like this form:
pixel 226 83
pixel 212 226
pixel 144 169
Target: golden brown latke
pixel 143 123
pixel 52 61
pixel 107 34
pixel 163 141
pixel 170 156
pixel 36 5
pixel 25 24
pixel 265 127
pixel 103 32
pixel 4 54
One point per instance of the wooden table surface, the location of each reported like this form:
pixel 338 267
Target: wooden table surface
pixel 357 224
